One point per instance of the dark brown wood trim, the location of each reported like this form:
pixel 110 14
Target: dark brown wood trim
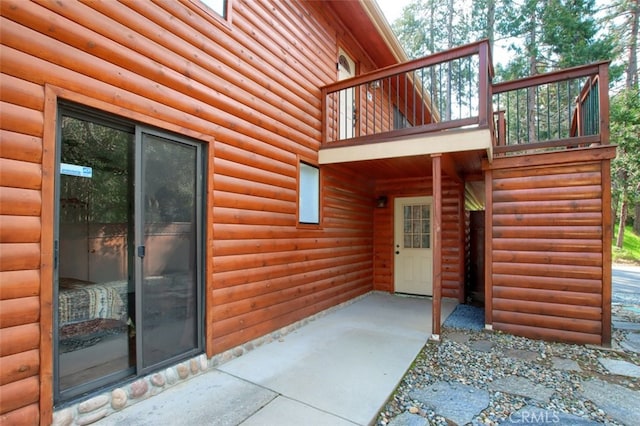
pixel 551 77
pixel 606 252
pixel 437 243
pixel 488 248
pixel 579 155
pixel 209 253
pixel 562 143
pixel 484 89
pixel 603 87
pixel 461 238
pixel 446 56
pixel 47 217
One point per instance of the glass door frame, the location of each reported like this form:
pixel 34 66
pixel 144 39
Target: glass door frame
pixel 63 397
pixel 139 238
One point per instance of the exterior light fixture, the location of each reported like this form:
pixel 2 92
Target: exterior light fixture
pixel 381 202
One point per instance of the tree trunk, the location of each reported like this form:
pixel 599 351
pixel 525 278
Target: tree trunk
pixel 491 21
pixel 623 219
pixel 533 70
pixel 450 30
pixel 636 219
pixel 632 66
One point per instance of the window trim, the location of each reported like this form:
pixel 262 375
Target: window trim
pixel 224 18
pixel 300 162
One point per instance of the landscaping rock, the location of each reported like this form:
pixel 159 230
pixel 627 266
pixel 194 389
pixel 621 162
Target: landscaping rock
pixel 454 401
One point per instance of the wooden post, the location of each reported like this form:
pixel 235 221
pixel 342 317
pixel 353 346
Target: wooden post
pixel 488 252
pixel 606 252
pixel 437 245
pixel 461 243
pixel 484 88
pixel 603 96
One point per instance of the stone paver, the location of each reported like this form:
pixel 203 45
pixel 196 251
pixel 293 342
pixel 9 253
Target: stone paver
pixel 454 401
pixel 620 367
pixel 481 346
pixel 617 401
pixel 538 416
pixel 565 364
pixel 520 386
pixel 631 342
pixel 626 325
pixel 458 337
pixel 408 419
pixel 521 354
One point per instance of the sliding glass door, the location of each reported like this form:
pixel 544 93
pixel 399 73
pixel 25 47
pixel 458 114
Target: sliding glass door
pixel 129 251
pixel 169 256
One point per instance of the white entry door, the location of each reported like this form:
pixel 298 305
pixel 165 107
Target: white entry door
pixel 412 245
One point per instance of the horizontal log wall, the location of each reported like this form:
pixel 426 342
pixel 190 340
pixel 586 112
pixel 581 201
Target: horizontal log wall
pixel 254 87
pixel 548 262
pixel 452 232
pixel 22 106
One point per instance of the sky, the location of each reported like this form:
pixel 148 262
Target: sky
pixel 392 9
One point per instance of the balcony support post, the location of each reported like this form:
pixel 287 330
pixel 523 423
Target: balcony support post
pixel 437 245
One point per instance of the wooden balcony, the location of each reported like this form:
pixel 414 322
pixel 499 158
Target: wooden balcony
pixel 447 104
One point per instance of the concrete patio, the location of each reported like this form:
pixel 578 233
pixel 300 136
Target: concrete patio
pixel 337 370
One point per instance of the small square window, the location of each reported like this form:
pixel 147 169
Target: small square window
pixel 218 6
pixel 309 194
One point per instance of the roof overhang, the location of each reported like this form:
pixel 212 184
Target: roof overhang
pixel 366 22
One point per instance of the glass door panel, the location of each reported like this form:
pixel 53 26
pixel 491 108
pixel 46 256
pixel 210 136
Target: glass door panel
pixel 169 255
pixel 94 236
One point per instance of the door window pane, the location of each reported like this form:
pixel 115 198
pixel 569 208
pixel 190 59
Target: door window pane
pixel 417 230
pixel 94 291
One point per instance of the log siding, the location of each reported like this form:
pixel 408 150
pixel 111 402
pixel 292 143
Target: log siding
pixel 452 232
pixel 250 89
pixel 547 255
pixel 173 66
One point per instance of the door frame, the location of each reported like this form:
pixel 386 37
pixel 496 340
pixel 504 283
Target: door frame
pixel 426 199
pixel 57 107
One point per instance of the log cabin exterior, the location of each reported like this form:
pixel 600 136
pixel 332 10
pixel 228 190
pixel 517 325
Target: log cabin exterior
pixel 312 157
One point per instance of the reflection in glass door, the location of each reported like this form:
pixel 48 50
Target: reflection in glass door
pixel 169 252
pixel 94 267
pixel 129 259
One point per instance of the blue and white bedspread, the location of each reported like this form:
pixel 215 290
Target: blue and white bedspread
pixel 80 301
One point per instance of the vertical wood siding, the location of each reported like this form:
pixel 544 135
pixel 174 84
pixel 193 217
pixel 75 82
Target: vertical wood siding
pixel 452 232
pixel 253 85
pixel 547 251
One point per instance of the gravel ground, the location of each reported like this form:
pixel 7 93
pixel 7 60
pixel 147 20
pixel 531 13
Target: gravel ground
pixel 478 358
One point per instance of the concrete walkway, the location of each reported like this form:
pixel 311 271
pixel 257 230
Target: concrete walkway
pixel 626 284
pixel 337 370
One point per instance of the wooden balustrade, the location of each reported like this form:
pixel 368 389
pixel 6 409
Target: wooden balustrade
pixel 454 90
pixel 447 90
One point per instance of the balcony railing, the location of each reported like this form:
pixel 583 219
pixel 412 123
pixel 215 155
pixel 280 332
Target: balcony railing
pixel 454 90
pixel 444 91
pixel 557 110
